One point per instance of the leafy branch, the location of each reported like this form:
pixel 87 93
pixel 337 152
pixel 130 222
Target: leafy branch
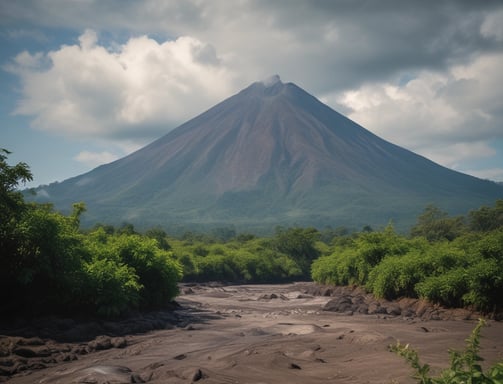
pixel 464 366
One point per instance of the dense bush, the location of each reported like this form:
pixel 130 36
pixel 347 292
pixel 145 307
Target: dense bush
pixel 48 266
pixel 240 260
pixel 352 263
pixel 398 276
pixel 467 271
pixel 45 269
pixel 110 288
pixel 153 270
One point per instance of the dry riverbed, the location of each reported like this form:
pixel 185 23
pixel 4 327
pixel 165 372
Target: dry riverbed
pixel 291 333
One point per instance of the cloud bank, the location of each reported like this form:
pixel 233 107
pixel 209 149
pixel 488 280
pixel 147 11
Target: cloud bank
pixel 134 90
pixel 442 116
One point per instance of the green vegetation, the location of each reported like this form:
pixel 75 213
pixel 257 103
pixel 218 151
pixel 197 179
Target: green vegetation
pixel 48 264
pixel 247 259
pixel 464 366
pixel 454 262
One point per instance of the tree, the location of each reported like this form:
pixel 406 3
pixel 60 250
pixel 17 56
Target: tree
pixel 486 218
pixel 299 244
pixel 435 224
pixel 11 200
pixel 12 206
pixel 161 236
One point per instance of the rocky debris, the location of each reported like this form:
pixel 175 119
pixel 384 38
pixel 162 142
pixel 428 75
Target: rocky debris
pixel 272 296
pixel 41 343
pixel 18 354
pixel 354 300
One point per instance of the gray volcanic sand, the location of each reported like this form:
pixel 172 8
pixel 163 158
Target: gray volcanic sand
pixel 270 334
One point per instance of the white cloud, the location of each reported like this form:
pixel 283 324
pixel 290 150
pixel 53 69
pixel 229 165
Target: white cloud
pixel 93 159
pixel 488 174
pixel 493 25
pixel 456 154
pixel 448 117
pixel 140 89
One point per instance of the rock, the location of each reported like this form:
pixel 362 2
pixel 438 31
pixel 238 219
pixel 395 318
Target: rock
pixel 393 310
pixel 135 378
pixel 341 304
pixel 119 342
pixel 36 365
pixel 80 350
pixel 198 375
pixel 33 341
pixel 25 352
pixel 187 291
pixel 407 312
pixel 67 357
pixel 270 296
pixel 294 366
pixel 362 308
pixel 100 343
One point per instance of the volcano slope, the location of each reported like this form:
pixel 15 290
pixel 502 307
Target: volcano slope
pixel 270 334
pixel 270 155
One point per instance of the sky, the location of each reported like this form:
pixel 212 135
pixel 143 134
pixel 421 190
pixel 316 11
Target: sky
pixel 85 82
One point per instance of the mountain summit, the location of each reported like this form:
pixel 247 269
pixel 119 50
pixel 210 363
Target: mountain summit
pixel 270 155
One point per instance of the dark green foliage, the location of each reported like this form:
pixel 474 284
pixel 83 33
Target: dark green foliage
pixel 398 276
pixel 111 288
pixel 47 266
pixel 12 208
pixel 486 218
pixel 464 366
pixel 434 225
pixel 161 236
pixel 253 260
pixel 467 271
pixel 42 272
pixel 11 201
pixel 127 229
pixel 352 262
pixel 299 244
pixel 153 270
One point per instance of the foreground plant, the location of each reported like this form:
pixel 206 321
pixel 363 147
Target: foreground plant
pixel 464 366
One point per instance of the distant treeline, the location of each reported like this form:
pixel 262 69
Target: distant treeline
pixel 49 265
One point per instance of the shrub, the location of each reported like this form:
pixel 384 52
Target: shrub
pixel 157 272
pixel 352 264
pixel 397 276
pixel 464 366
pixel 112 289
pixel 485 285
pixel 447 289
pixel 324 270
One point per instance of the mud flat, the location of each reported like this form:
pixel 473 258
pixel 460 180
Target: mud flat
pixel 292 333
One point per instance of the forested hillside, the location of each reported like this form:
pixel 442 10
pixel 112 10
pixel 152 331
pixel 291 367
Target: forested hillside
pixel 49 265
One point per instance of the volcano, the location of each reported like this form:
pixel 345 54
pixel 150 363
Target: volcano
pixel 270 155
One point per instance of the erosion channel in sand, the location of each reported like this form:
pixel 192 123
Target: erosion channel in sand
pixel 260 334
